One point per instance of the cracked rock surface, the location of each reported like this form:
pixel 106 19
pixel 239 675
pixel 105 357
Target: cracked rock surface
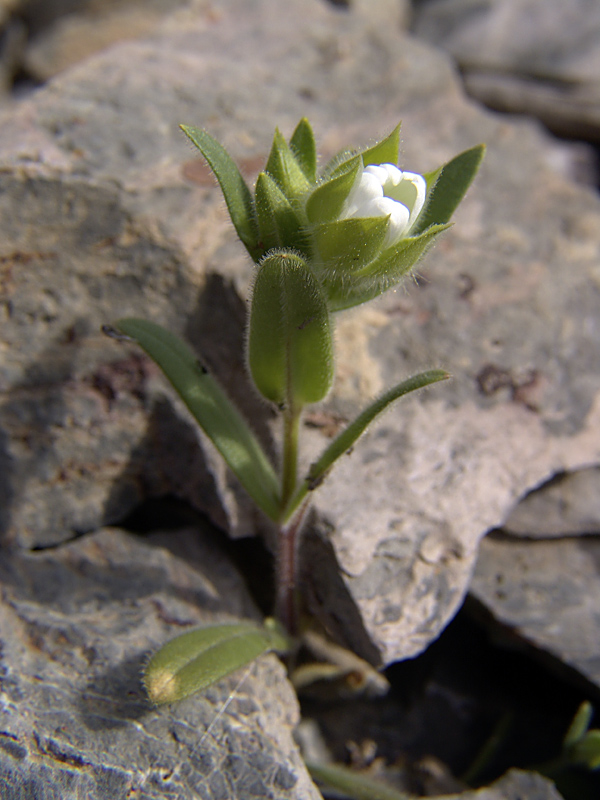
pixel 105 211
pixel 77 624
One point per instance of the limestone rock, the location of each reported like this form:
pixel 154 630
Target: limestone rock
pixel 568 505
pixel 94 27
pixel 515 785
pixel 526 56
pixel 77 624
pixel 107 212
pixel 547 591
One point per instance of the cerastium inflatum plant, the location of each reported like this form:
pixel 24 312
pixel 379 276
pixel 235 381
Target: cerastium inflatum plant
pixel 322 241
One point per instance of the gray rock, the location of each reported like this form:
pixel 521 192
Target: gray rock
pixel 76 626
pixel 515 785
pixel 568 505
pixel 524 56
pixel 548 592
pixel 107 212
pixel 93 27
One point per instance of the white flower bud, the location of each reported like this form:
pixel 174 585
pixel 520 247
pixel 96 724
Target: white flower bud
pixel 384 190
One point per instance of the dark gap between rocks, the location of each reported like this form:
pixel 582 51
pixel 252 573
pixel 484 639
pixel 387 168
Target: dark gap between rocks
pixel 444 705
pixel 249 555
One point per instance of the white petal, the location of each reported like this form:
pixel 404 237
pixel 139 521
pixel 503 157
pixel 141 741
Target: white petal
pixel 363 191
pixel 420 185
pixel 398 217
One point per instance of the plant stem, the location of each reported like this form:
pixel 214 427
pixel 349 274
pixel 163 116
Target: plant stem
pixel 291 424
pixel 287 572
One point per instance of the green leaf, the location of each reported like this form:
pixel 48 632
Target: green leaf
pixel 326 202
pixel 381 274
pixel 348 245
pixel 450 188
pixel 214 411
pixel 285 169
pixel 352 784
pixel 587 750
pixel 235 191
pixel 290 347
pixel 384 152
pixel 579 725
pixel 195 660
pixel 303 146
pixel 348 437
pixel 278 223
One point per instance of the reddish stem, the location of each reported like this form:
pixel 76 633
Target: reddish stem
pixel 287 571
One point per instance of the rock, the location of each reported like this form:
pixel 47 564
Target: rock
pixel 515 785
pixel 78 35
pixel 568 108
pixel 568 505
pixel 547 592
pixel 107 212
pixel 524 56
pixel 76 626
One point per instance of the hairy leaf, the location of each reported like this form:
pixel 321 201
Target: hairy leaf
pixel 450 187
pixel 235 191
pixel 194 660
pixel 290 347
pixel 348 437
pixel 214 411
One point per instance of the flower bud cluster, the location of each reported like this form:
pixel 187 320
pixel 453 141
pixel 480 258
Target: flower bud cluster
pixel 325 241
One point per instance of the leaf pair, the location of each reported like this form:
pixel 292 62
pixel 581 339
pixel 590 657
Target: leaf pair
pixel 222 422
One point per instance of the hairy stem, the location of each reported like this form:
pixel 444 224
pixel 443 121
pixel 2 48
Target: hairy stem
pixel 287 572
pixel 291 425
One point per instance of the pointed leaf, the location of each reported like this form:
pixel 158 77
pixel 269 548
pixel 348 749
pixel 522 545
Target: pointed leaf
pixel 283 167
pixel 303 145
pixel 450 188
pixel 347 245
pixel 326 202
pixel 579 725
pixel 195 660
pixel 235 191
pixel 384 152
pixel 214 411
pixel 290 347
pixel 353 784
pixel 278 223
pixel 382 274
pixel 348 437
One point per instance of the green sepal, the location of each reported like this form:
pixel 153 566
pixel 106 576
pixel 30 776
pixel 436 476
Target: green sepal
pixel 304 147
pixel 580 724
pixel 238 196
pixel 345 440
pixel 327 200
pixel 213 410
pixel 348 245
pixel 278 223
pixel 449 187
pixel 285 169
pixel 290 347
pixel 384 152
pixel 354 784
pixel 195 660
pixel 381 274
